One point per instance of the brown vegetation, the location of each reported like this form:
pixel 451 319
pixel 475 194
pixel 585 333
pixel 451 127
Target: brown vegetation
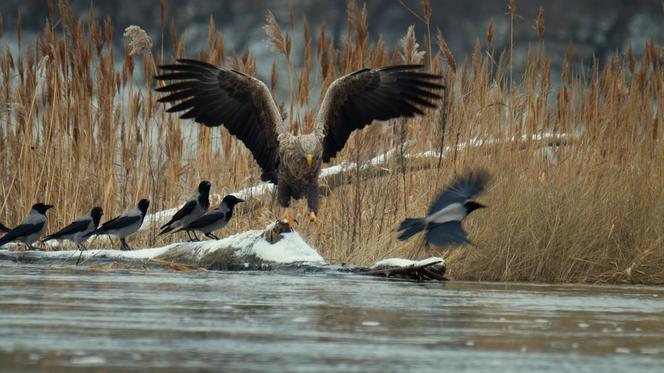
pixel 77 131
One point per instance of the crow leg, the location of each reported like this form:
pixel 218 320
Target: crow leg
pixel 125 246
pixel 79 256
pixel 192 236
pixel 211 235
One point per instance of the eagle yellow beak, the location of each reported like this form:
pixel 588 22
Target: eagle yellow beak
pixel 310 160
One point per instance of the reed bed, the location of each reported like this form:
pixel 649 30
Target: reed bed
pixel 77 130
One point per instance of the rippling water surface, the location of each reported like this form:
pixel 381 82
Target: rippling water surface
pixel 70 320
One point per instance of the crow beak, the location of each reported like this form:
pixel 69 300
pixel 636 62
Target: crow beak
pixel 240 200
pixel 481 206
pixel 49 207
pixel 310 160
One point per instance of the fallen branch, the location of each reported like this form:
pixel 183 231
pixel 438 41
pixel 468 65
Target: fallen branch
pixel 423 272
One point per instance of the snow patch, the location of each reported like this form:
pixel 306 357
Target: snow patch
pixel 400 262
pixel 291 248
pixel 105 253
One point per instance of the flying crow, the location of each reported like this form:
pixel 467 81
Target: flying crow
pixel 443 222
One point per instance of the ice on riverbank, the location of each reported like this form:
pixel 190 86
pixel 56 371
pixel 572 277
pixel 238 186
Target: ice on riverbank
pixel 251 246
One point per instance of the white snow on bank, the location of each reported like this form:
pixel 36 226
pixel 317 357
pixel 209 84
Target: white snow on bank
pixel 290 249
pixel 106 253
pixel 400 262
pixel 477 142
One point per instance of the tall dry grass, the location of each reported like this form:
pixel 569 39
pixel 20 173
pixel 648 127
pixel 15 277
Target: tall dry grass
pixel 76 130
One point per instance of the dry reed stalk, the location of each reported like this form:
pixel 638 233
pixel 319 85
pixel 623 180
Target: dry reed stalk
pixel 281 43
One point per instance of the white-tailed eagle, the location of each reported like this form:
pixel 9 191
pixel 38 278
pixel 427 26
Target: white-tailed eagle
pixel 215 96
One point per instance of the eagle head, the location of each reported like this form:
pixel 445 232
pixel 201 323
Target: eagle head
pixel 310 149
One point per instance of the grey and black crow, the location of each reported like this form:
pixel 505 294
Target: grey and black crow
pixel 192 210
pixel 443 222
pixel 79 231
pixel 215 96
pixel 4 229
pixel 31 228
pixel 214 219
pixel 125 224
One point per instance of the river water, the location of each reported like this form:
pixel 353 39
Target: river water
pixel 86 320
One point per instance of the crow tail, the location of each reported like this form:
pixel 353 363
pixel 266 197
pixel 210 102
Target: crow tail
pixel 5 240
pixel 410 227
pixel 166 230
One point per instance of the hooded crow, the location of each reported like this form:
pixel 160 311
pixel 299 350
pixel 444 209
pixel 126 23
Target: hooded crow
pixel 125 224
pixel 4 229
pixel 31 228
pixel 192 210
pixel 214 219
pixel 443 222
pixel 79 231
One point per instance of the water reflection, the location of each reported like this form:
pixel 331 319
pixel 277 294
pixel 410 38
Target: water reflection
pixel 63 320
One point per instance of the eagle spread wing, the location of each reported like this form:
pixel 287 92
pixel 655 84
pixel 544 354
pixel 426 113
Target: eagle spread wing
pixel 214 96
pixel 355 100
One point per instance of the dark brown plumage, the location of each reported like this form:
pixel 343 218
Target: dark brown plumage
pixel 214 96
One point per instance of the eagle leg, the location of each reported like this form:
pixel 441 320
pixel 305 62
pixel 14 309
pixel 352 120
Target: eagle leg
pixel 312 199
pixel 289 218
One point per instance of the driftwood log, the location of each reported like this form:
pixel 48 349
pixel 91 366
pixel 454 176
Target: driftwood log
pixel 426 272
